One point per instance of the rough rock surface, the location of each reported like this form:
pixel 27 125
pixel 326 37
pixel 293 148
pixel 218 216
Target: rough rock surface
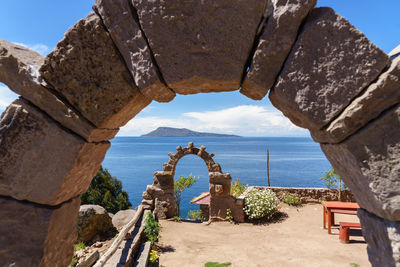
pixel 19 70
pixel 201 46
pixel 87 69
pixel 320 78
pixel 122 217
pixel 40 161
pixel 369 163
pixel 383 238
pixel 34 235
pixel 378 97
pixel 275 42
pixel 94 221
pixel 310 195
pixel 395 52
pixel 128 37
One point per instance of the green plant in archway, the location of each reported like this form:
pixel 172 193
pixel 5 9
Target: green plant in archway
pixel 180 185
pixel 334 181
pixel 106 191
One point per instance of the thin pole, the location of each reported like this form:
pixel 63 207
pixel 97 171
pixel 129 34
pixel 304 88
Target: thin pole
pixel 268 167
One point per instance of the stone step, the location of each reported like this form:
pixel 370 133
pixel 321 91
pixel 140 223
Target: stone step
pixel 125 253
pixel 143 255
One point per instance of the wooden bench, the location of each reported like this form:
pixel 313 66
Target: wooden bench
pixel 332 207
pixel 344 230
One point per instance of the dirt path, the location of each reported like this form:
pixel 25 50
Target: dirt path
pixel 298 240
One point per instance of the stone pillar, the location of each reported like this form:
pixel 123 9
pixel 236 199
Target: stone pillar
pixel 383 238
pixel 221 199
pixel 37 235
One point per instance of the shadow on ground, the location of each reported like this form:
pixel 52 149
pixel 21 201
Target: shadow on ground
pixel 278 217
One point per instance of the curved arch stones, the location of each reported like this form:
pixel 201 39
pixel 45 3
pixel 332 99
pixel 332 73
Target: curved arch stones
pixel 322 73
pixel 160 195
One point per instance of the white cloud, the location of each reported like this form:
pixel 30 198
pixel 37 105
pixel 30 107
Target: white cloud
pixel 40 48
pixel 246 120
pixel 6 97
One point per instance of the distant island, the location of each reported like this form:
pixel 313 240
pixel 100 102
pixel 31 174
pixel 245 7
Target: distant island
pixel 182 132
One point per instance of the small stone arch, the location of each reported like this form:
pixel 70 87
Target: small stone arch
pixel 160 195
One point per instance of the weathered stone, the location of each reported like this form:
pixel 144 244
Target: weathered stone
pixel 200 46
pixel 219 206
pixel 280 32
pixel 19 70
pixel 221 178
pixel 383 239
pixel 94 221
pixel 128 37
pixel 164 209
pixel 378 97
pixel 34 235
pixel 122 217
pixel 369 163
pixel 164 179
pixel 87 69
pixel 320 78
pixel 395 52
pixel 40 161
pixel 309 195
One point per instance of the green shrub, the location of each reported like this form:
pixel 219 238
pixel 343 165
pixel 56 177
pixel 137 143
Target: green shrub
pixel 291 199
pixel 217 264
pixel 74 261
pixel 229 216
pixel 79 246
pixel 177 218
pixel 237 188
pixel 106 191
pixel 260 204
pixel 194 214
pixel 151 228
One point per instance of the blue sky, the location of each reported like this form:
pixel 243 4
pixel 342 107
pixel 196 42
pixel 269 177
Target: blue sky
pixel 41 24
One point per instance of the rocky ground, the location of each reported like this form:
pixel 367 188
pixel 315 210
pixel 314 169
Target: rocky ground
pixel 295 238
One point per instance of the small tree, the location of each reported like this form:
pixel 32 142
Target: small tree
pixel 106 191
pixel 334 181
pixel 180 185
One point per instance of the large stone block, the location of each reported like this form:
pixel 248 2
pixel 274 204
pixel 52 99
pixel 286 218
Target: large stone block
pixel 395 52
pixel 34 235
pixel 275 42
pixel 330 64
pixel 40 161
pixel 88 70
pixel 369 163
pixel 128 37
pixel 383 238
pixel 201 46
pixel 94 222
pixel 19 70
pixel 378 97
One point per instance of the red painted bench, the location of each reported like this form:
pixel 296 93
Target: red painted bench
pixel 344 230
pixel 330 207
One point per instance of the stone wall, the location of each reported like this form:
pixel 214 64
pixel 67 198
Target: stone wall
pixel 319 70
pixel 310 195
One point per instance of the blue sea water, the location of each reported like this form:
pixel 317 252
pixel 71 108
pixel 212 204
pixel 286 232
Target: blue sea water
pixel 294 162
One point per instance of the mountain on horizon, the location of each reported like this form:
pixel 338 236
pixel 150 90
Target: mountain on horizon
pixel 182 132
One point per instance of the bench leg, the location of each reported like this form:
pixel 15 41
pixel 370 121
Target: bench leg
pixel 344 233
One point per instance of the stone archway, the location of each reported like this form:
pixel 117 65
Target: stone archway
pixel 322 73
pixel 160 195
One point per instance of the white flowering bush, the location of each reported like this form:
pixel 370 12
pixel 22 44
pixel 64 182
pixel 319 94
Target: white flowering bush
pixel 260 204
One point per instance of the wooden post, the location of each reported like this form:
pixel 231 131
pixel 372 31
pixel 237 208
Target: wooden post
pixel 268 167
